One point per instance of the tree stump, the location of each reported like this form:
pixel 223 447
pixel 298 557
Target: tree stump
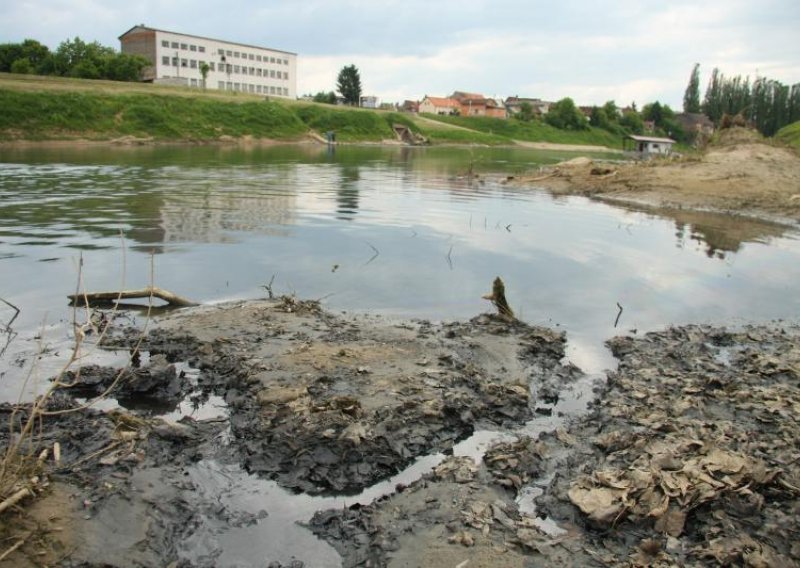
pixel 498 298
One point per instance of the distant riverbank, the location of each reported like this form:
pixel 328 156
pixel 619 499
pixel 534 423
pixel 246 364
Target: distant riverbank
pixel 54 110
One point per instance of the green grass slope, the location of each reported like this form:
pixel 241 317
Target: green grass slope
pixel 533 131
pixel 790 134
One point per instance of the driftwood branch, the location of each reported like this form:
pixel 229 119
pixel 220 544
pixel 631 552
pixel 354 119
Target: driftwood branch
pixel 15 498
pixel 100 297
pixel 498 298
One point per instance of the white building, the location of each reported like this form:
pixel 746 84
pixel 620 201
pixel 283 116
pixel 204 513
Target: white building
pixel 648 145
pixel 178 58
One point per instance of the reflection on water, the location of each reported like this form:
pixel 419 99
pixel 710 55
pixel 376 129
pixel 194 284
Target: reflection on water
pixel 406 233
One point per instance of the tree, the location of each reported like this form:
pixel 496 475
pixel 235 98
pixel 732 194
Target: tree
pixel 29 50
pixel 599 118
pixel 327 98
pixel 525 111
pixel 632 122
pixel 691 97
pixel 565 115
pixel 204 69
pixel 349 85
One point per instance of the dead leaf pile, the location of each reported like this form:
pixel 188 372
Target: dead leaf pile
pixel 697 442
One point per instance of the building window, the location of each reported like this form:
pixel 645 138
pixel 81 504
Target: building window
pixel 164 43
pixel 229 86
pixel 272 73
pixel 236 69
pixel 286 75
pixel 193 63
pixel 193 82
pixel 252 70
pixel 285 92
pixel 221 85
pixel 184 62
pixel 258 72
pixel 174 45
pixel 192 48
pixel 258 89
pixel 228 53
pixel 251 57
pixel 236 54
pixel 228 68
pixel 286 62
pixel 184 46
pixel 237 87
pixel 201 49
pixel 221 52
pixel 252 88
pixel 258 58
pixel 165 60
pixel 272 90
pixel 211 65
pixel 174 61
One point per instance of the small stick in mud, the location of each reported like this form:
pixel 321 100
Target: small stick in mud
pixel 13 307
pixel 498 298
pixel 450 258
pixel 150 291
pixel 619 313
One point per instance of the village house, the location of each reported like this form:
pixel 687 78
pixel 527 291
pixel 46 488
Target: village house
pixel 538 106
pixel 178 59
pixel 439 105
pixel 695 123
pixel 475 104
pixel 410 106
pixel 647 146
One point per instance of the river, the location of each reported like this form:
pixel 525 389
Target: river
pixel 403 232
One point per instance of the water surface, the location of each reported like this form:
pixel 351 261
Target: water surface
pixel 394 230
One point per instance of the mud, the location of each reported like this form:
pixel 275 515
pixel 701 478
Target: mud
pixel 740 173
pixel 687 456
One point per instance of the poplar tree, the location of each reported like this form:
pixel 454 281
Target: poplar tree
pixel 691 98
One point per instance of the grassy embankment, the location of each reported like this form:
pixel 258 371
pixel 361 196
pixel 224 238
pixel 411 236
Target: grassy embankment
pixel 47 108
pixel 790 134
pixel 533 131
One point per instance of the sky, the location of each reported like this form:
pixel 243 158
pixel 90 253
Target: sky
pixel 591 51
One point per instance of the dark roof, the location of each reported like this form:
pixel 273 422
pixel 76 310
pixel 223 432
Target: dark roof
pixel 143 27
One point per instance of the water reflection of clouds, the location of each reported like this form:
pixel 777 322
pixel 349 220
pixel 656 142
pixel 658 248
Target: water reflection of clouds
pixel 225 230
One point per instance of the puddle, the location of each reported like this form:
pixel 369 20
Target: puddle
pixel 248 521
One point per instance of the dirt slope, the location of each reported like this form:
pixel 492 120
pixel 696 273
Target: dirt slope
pixel 740 173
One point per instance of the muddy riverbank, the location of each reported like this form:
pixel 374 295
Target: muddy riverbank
pixel 740 173
pixel 688 455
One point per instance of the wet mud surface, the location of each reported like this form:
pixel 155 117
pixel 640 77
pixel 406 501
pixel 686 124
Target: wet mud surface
pixel 687 456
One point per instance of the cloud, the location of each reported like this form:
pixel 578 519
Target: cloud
pixel 625 50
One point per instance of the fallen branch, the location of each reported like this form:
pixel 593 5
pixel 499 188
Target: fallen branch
pixel 12 549
pixel 498 298
pixel 15 498
pixel 150 291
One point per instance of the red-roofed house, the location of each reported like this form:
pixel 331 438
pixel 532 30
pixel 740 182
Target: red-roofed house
pixel 439 105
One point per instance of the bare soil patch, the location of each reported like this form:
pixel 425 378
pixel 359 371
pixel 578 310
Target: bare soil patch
pixel 741 173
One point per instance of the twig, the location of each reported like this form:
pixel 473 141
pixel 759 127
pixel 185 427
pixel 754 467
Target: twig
pixel 16 312
pixel 449 258
pixel 268 287
pixel 13 548
pixel 149 292
pixel 508 227
pixel 15 498
pixel 374 256
pixel 616 321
